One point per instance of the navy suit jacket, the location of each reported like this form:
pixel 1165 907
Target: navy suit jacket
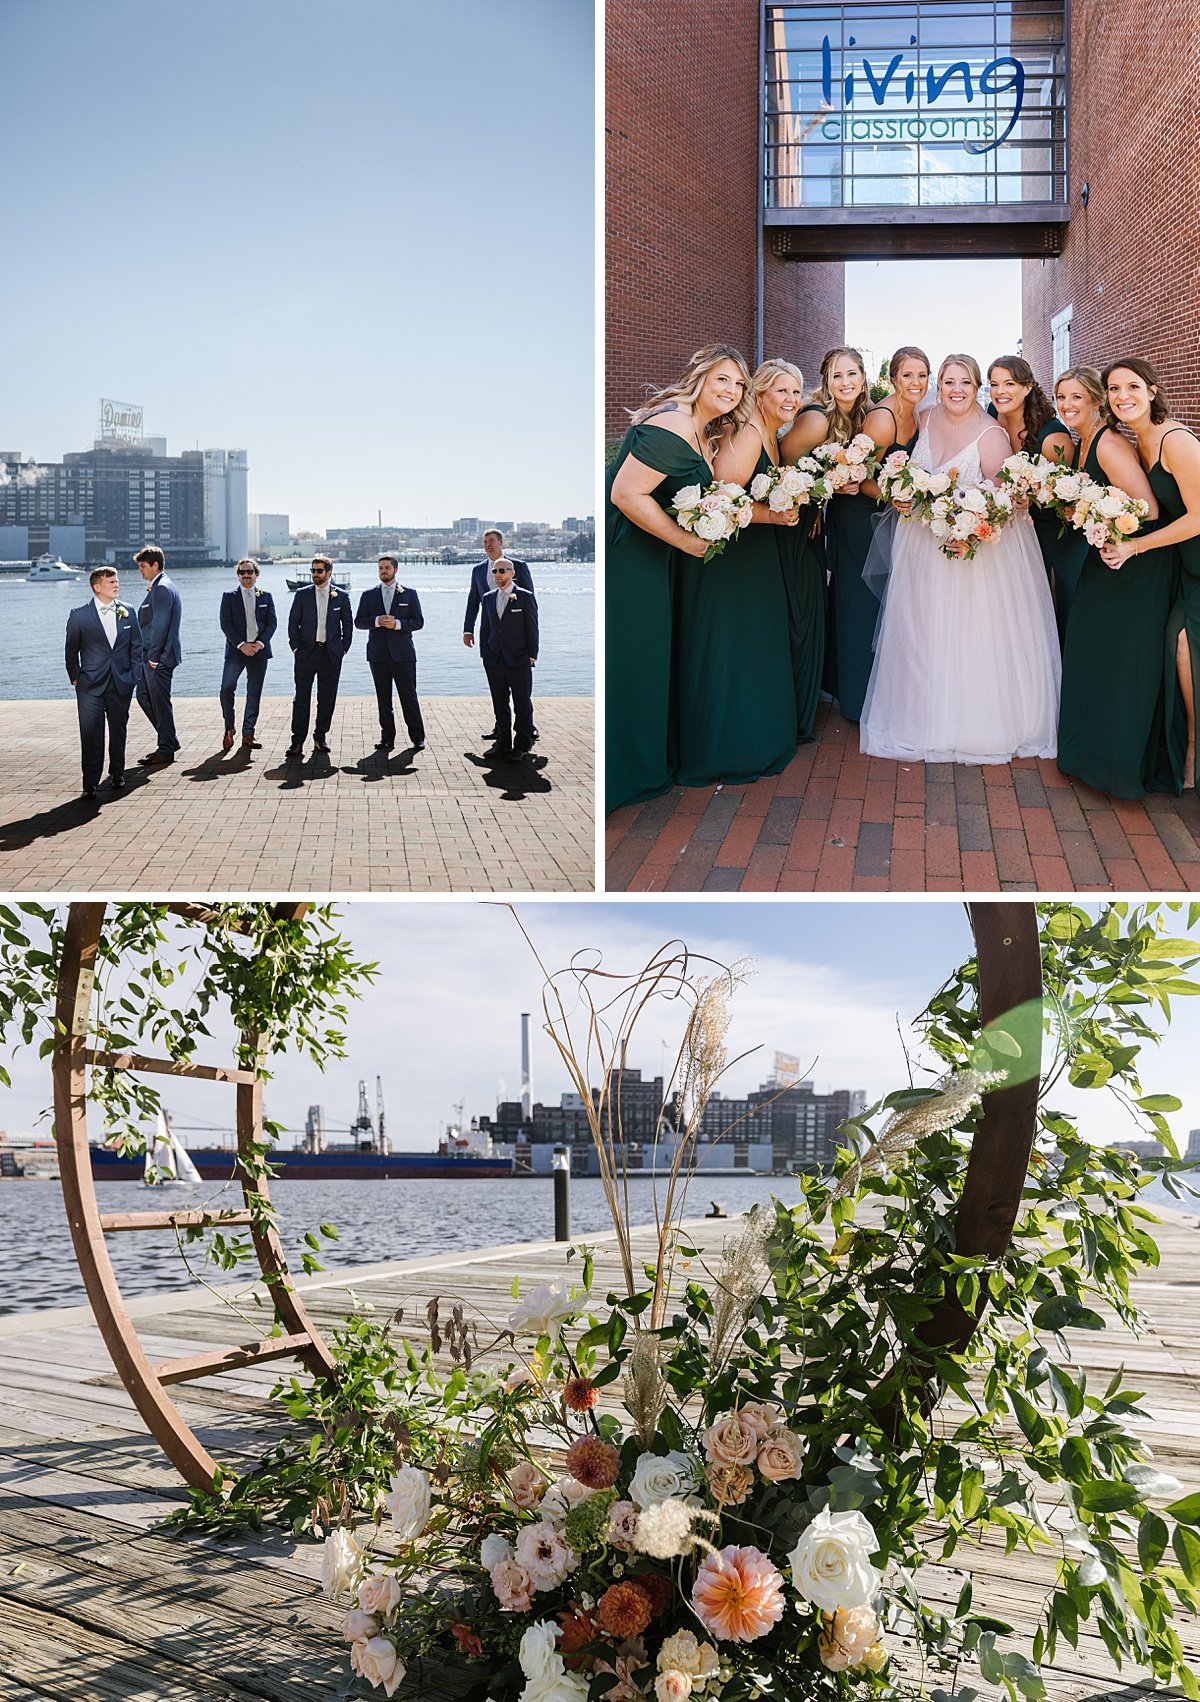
pixel 513 637
pixel 159 617
pixel 522 579
pixel 393 641
pixel 233 621
pixel 339 624
pixel 92 663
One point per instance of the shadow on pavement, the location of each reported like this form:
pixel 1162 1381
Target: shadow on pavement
pixel 516 778
pixel 381 765
pixel 65 817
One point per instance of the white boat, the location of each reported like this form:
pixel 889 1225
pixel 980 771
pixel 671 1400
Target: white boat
pixel 167 1161
pixel 339 577
pixel 48 570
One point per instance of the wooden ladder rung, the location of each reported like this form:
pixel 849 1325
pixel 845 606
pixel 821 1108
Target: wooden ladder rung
pixel 169 1067
pixel 229 1358
pixel 114 1222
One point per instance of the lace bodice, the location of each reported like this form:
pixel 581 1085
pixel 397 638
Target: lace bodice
pixel 971 466
pixel 965 463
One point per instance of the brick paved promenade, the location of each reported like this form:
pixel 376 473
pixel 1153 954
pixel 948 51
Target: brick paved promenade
pixel 443 821
pixel 836 821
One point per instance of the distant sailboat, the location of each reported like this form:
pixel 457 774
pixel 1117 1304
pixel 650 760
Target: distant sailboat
pixel 167 1161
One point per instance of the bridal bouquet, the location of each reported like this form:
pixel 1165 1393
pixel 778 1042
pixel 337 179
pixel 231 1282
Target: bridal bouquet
pixel 848 463
pixel 963 519
pixel 791 486
pixel 1104 513
pixel 903 480
pixel 715 512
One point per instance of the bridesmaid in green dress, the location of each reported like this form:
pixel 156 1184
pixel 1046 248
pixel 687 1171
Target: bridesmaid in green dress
pixel 666 448
pixel 1171 454
pixel 852 515
pixel 735 704
pixel 1027 415
pixel 802 556
pixel 1110 713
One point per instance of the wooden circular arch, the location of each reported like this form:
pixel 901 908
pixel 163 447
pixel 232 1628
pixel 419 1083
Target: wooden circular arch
pixel 146 1381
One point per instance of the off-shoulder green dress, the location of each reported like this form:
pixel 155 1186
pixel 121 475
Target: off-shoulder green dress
pixel 735 704
pixel 1110 723
pixel 637 605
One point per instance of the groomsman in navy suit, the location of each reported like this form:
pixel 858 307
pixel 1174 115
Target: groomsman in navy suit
pixel 508 643
pixel 320 631
pixel 391 613
pixel 159 618
pixel 104 664
pixel 248 621
pixel 483 580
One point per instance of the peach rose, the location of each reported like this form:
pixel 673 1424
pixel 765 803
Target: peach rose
pixel 673 1686
pixel 526 1485
pixel 730 1441
pixel 761 1416
pixel 358 1626
pixel 378 1594
pixel 730 1485
pixel 1126 524
pixel 377 1661
pixel 513 1586
pixel 781 1456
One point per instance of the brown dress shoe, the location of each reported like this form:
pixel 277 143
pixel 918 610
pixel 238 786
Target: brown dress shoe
pixel 227 741
pixel 251 744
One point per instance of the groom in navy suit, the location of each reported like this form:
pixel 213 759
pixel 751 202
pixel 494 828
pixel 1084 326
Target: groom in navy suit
pixel 391 613
pixel 508 643
pixel 104 664
pixel 320 631
pixel 159 618
pixel 483 580
pixel 248 621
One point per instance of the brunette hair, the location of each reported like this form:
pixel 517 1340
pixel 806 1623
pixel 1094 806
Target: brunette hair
pixel 1159 407
pixel 99 573
pixel 842 425
pixel 321 561
pixel 971 364
pixel 152 553
pixel 690 383
pixel 1038 408
pixel 909 352
pixel 246 561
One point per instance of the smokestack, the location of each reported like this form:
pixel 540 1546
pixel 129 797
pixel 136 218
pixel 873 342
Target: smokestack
pixel 526 1082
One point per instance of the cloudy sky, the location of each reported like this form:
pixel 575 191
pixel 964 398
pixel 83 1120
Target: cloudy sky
pixel 835 984
pixel 354 240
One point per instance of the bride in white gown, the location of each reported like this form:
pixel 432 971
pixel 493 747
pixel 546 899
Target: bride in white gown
pixel 967 664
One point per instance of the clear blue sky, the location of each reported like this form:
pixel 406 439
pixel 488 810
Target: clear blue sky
pixel 943 306
pixel 355 240
pixel 836 984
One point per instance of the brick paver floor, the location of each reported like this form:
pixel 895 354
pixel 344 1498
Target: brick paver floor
pixel 443 821
pixel 837 821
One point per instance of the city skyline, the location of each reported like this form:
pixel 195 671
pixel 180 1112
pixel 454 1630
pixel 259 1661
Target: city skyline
pixel 304 262
pixel 837 985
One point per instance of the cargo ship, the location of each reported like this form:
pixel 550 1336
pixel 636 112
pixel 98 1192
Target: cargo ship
pixel 367 1156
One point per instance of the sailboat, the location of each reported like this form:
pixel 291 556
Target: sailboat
pixel 167 1161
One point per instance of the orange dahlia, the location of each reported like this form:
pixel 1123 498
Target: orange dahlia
pixel 624 1609
pixel 580 1394
pixel 593 1462
pixel 738 1594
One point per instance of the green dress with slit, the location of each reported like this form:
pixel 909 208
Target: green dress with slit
pixel 637 604
pixel 854 608
pixel 1184 617
pixel 735 704
pixel 803 561
pixel 1110 723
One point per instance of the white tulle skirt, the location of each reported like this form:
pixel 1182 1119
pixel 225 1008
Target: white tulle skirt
pixel 967 664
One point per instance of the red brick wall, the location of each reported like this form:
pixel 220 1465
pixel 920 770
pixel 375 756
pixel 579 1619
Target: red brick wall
pixel 1131 268
pixel 681 199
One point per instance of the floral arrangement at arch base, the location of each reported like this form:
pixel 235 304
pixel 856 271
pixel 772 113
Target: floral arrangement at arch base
pixel 751 1478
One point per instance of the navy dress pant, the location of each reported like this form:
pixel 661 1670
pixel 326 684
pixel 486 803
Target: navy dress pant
pixel 154 700
pixel 255 669
pixel 388 671
pixel 98 709
pixel 512 698
pixel 315 664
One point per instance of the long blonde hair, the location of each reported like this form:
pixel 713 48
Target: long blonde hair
pixel 842 425
pixel 690 383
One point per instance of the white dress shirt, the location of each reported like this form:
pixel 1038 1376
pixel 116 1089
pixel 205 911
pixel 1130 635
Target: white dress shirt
pixel 322 610
pixel 108 620
pixel 248 602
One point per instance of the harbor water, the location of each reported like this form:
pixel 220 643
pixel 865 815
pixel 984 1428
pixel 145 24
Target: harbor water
pixel 35 620
pixel 377 1222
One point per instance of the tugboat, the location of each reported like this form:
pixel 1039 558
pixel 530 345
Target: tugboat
pixel 48 570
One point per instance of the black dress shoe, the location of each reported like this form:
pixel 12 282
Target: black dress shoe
pixel 117 782
pixel 294 750
pixel 420 745
pixel 498 753
pixel 320 745
pixel 385 744
pixel 492 733
pixel 88 794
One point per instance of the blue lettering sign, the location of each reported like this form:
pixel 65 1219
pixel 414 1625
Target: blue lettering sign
pixel 998 77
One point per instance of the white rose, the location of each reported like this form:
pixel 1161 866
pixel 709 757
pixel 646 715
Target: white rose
pixel 940 527
pixel 663 1477
pixel 341 1562
pixel 938 482
pixel 1110 507
pixel 975 501
pixel 794 481
pixel 546 1308
pixel 377 1662
pixel 1002 499
pixel 744 515
pixel 830 1565
pixel 539 1656
pixel 379 1594
pixel 492 1550
pixel 779 500
pixel 563 1687
pixel 760 485
pixel 357 1626
pixel 711 527
pixel 864 441
pixel 688 497
pixel 563 1494
pixel 1068 488
pixel 855 453
pixel 728 489
pixel 408 1502
pixel 964 524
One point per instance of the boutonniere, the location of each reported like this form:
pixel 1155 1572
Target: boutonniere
pixel 122 612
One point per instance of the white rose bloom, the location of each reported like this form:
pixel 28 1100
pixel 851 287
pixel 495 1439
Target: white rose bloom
pixel 864 441
pixel 688 497
pixel 830 1564
pixel 563 1687
pixel 794 481
pixel 940 527
pixel 1110 507
pixel 975 501
pixel 1003 499
pixel 855 453
pixel 964 525
pixel 408 1502
pixel 760 484
pixel 711 527
pixel 938 482
pixel 493 1549
pixel 378 1662
pixel 545 1309
pixel 779 500
pixel 664 1477
pixel 341 1562
pixel 728 489
pixel 379 1594
pixel 1069 488
pixel 680 1652
pixel 539 1656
